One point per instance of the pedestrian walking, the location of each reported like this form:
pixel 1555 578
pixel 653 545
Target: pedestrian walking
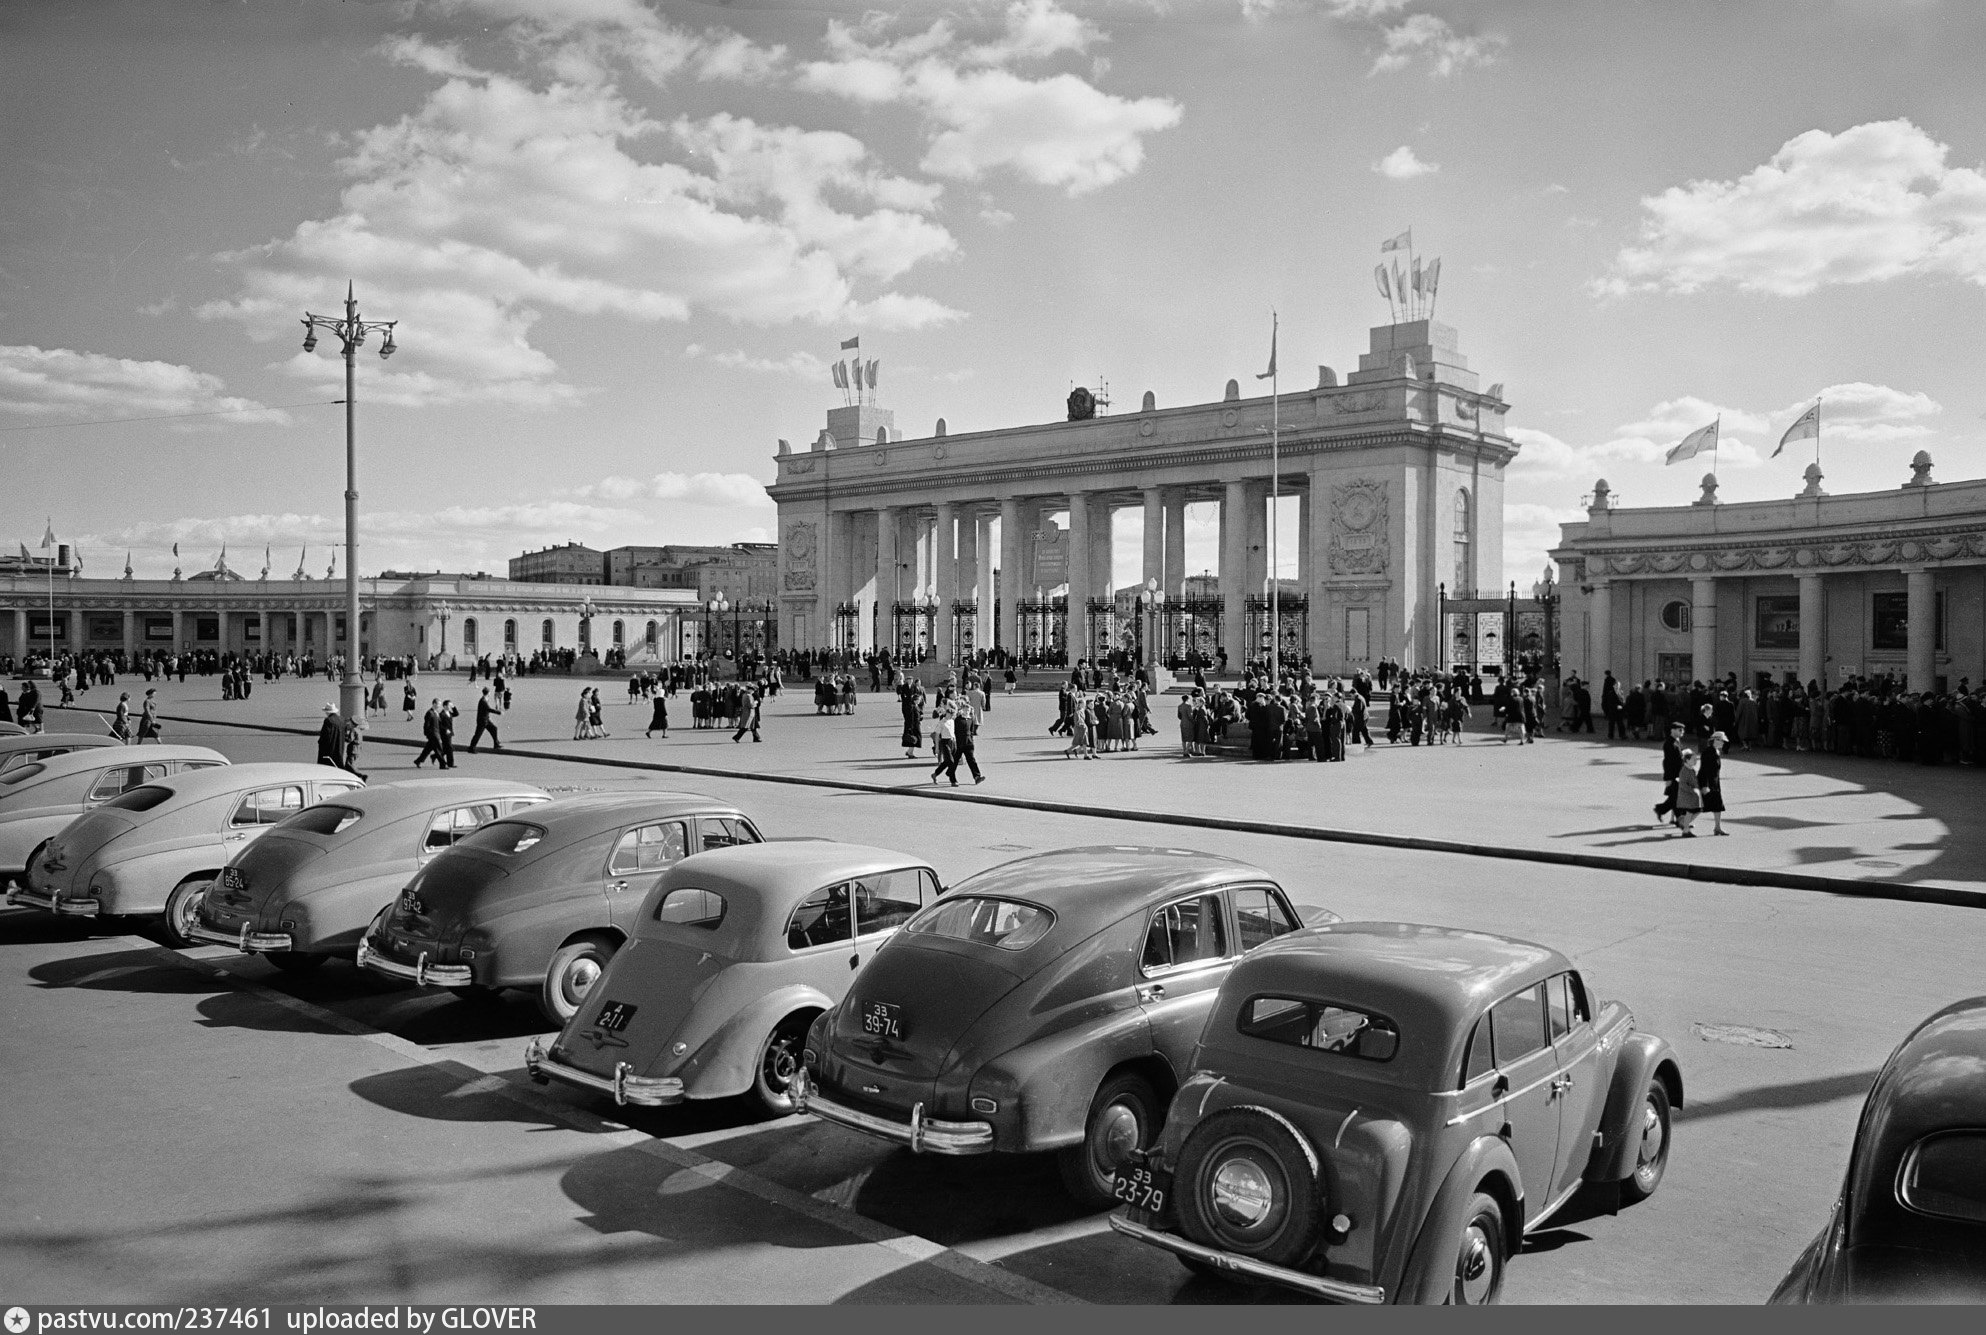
pixel 1710 781
pixel 349 758
pixel 1689 796
pixel 658 715
pixel 444 721
pixel 1672 768
pixel 331 739
pixel 148 720
pixel 965 736
pixel 487 712
pixel 748 715
pixel 581 717
pixel 430 734
pixel 943 741
pixel 410 699
pixel 120 723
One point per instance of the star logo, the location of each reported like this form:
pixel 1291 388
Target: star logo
pixel 17 1320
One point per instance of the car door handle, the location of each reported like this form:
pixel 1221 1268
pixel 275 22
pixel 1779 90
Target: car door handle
pixel 235 838
pixel 617 885
pixel 1151 992
pixel 1562 1084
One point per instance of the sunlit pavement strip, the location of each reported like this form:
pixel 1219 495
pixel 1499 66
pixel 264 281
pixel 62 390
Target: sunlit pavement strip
pixel 922 1250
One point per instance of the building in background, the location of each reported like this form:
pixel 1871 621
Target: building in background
pixel 573 563
pixel 742 570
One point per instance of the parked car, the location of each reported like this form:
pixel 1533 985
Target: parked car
pixel 543 900
pixel 156 848
pixel 39 798
pixel 1381 1111
pixel 734 954
pixel 24 748
pixel 1910 1223
pixel 1050 1003
pixel 12 730
pixel 308 889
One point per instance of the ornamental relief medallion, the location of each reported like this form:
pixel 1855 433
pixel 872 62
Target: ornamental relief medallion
pixel 1364 401
pixel 798 548
pixel 1358 528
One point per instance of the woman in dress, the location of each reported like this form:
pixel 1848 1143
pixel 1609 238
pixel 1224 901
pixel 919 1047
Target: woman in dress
pixel 913 716
pixel 579 718
pixel 658 716
pixel 1185 712
pixel 1689 797
pixel 593 714
pixel 1710 781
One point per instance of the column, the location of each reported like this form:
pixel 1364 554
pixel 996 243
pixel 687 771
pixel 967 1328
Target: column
pixel 982 573
pixel 1154 568
pixel 1258 541
pixel 945 575
pixel 1703 628
pixel 130 632
pixel 886 523
pixel 1923 629
pixel 1174 575
pixel 1305 568
pixel 175 630
pixel 20 633
pixel 1010 574
pixel 1813 630
pixel 1079 576
pixel 1599 631
pixel 1234 572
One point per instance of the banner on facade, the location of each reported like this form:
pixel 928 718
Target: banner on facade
pixel 1051 557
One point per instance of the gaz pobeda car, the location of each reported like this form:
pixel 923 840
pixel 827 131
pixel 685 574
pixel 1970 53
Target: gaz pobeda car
pixel 156 848
pixel 1382 1111
pixel 20 750
pixel 733 956
pixel 38 799
pixel 1050 1003
pixel 544 899
pixel 308 889
pixel 1910 1223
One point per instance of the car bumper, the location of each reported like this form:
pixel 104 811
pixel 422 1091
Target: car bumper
pixel 643 1091
pixel 34 899
pixel 924 1135
pixel 247 940
pixel 1336 1290
pixel 421 972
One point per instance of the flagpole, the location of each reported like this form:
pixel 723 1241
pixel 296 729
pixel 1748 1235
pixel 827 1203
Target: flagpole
pixel 1275 498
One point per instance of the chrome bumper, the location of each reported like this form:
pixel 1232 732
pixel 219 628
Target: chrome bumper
pixel 643 1091
pixel 1337 1290
pixel 32 899
pixel 247 941
pixel 923 1134
pixel 420 972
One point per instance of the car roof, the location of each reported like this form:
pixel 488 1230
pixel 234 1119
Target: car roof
pixel 96 758
pixel 1935 1080
pixel 762 883
pixel 569 818
pixel 1095 885
pixel 195 785
pixel 35 741
pixel 424 794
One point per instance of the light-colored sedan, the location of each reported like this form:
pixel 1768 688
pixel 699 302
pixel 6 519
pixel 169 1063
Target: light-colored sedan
pixel 157 848
pixel 732 956
pixel 25 749
pixel 39 798
pixel 308 888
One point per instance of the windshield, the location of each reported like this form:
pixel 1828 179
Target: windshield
pixel 1005 923
pixel 325 818
pixel 139 799
pixel 505 836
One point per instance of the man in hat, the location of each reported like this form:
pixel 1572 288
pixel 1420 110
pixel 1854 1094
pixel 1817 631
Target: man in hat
pixel 331 739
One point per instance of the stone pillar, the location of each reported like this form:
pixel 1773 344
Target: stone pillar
pixel 885 575
pixel 1079 576
pixel 1813 630
pixel 130 632
pixel 1154 559
pixel 1306 568
pixel 1703 628
pixel 1174 576
pixel 1258 541
pixel 176 628
pixel 1011 575
pixel 945 576
pixel 1599 631
pixel 20 633
pixel 1234 572
pixel 982 577
pixel 1922 631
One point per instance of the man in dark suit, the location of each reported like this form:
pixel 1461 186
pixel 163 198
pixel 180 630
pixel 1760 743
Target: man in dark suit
pixel 331 739
pixel 1614 708
pixel 486 712
pixel 430 734
pixel 1672 769
pixel 965 734
pixel 444 728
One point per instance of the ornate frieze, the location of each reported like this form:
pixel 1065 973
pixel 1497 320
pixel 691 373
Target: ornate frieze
pixel 799 549
pixel 1358 528
pixel 1857 553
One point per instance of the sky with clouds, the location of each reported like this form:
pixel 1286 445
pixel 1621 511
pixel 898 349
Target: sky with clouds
pixel 624 240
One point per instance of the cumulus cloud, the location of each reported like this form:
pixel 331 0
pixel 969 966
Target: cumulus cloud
pixel 800 365
pixel 1860 413
pixel 981 116
pixel 1875 202
pixel 499 199
pixel 62 385
pixel 1432 39
pixel 721 490
pixel 1403 164
pixel 1529 531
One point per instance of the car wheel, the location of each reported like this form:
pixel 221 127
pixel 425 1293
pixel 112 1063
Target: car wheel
pixel 1245 1185
pixel 1651 1157
pixel 572 974
pixel 1124 1116
pixel 295 961
pixel 182 910
pixel 779 1062
pixel 1479 1254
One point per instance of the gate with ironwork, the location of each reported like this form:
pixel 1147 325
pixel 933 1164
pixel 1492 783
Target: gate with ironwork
pixel 1044 627
pixel 1191 628
pixel 1292 612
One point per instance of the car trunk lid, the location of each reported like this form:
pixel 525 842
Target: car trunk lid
pixel 904 1015
pixel 634 1012
pixel 258 881
pixel 440 903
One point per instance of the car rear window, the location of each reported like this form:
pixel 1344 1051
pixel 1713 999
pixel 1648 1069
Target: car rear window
pixel 1944 1175
pixel 692 908
pixel 139 799
pixel 325 818
pixel 1006 923
pixel 1320 1026
pixel 505 836
pixel 21 773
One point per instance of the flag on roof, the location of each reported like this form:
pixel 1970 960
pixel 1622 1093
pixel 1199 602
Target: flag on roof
pixel 48 536
pixel 848 343
pixel 1695 443
pixel 1805 427
pixel 1404 241
pixel 1272 349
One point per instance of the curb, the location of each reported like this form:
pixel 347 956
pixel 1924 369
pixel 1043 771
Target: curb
pixel 1686 871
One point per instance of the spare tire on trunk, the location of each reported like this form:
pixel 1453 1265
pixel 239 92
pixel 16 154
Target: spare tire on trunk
pixel 1247 1184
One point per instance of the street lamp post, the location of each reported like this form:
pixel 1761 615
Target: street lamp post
pixel 350 332
pixel 442 607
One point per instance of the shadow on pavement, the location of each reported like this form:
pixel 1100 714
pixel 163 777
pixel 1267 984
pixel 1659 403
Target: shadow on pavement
pixel 1795 1094
pixel 125 971
pixel 455 1094
pixel 631 1191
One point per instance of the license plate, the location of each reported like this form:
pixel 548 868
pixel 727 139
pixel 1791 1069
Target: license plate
pixel 1142 1188
pixel 882 1018
pixel 614 1016
pixel 231 879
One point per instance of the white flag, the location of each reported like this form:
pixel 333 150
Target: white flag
pixel 1695 443
pixel 858 375
pixel 48 536
pixel 1805 427
pixel 872 373
pixel 1385 287
pixel 1404 241
pixel 1273 326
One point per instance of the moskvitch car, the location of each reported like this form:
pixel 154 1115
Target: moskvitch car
pixel 1910 1223
pixel 542 900
pixel 1381 1111
pixel 39 798
pixel 27 748
pixel 1050 1003
pixel 733 956
pixel 307 890
pixel 156 848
